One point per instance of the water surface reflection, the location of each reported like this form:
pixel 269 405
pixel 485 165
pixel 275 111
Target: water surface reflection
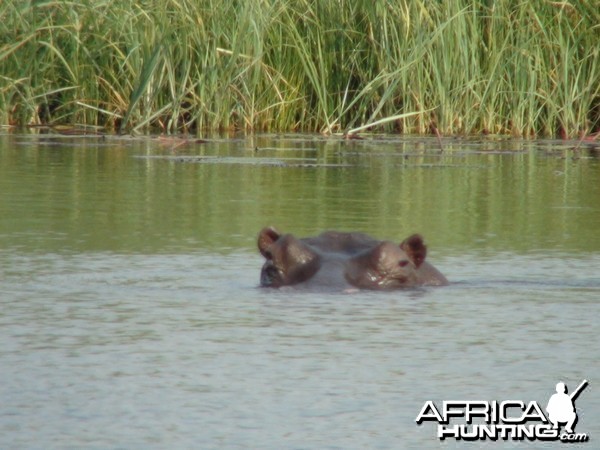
pixel 131 315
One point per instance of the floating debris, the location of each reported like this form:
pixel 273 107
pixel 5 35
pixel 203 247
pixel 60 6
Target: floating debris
pixel 235 160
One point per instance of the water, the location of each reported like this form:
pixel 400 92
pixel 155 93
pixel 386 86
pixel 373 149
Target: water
pixel 131 317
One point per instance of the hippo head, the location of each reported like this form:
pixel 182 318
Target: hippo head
pixel 388 265
pixel 288 259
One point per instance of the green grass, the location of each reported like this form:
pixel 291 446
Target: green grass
pixel 527 68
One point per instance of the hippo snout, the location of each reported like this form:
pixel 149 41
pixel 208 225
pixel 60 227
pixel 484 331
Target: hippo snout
pixel 270 276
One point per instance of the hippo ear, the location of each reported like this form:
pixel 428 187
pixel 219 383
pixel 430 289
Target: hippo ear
pixel 266 238
pixel 415 249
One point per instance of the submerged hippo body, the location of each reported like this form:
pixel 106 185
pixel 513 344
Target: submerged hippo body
pixel 340 259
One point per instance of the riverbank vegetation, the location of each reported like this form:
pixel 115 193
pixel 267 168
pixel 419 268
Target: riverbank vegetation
pixel 528 68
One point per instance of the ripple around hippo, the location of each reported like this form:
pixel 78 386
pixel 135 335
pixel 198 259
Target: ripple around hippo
pixel 340 259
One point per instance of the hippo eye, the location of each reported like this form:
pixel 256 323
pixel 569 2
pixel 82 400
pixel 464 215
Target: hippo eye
pixel 403 263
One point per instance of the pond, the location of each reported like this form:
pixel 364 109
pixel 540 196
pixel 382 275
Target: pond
pixel 132 317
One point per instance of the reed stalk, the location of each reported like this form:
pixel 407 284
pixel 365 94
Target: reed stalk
pixel 529 68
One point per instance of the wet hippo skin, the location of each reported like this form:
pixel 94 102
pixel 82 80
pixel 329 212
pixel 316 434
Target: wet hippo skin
pixel 338 259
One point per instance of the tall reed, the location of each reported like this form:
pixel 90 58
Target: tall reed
pixel 413 66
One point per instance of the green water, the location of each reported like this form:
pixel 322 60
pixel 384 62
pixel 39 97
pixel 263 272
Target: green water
pixel 94 194
pixel 131 317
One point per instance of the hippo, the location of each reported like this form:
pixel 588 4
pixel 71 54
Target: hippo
pixel 343 259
